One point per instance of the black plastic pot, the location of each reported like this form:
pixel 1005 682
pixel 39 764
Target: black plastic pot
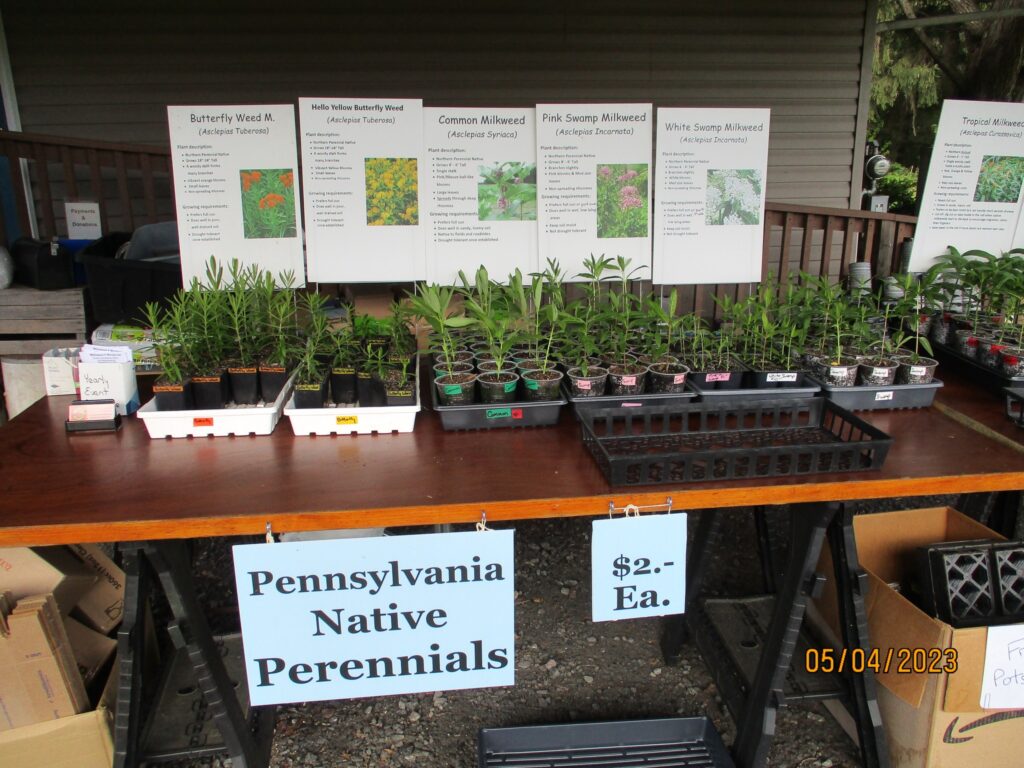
pixel 172 397
pixel 591 385
pixel 272 381
pixel 455 389
pixel 311 394
pixel 343 385
pixel 667 378
pixel 397 392
pixel 541 385
pixel 371 391
pixel 245 385
pixel 497 386
pixel 210 392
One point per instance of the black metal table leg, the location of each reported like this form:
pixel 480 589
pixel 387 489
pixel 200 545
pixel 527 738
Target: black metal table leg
pixel 757 725
pixel 130 658
pixel 674 629
pixel 851 589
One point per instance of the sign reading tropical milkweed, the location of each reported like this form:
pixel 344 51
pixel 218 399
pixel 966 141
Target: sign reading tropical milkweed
pixel 347 618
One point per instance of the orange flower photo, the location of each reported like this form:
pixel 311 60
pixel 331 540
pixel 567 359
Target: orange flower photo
pixel 268 202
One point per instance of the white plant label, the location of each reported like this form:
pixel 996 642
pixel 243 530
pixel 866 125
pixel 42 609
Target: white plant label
pixel 710 194
pixel 972 197
pixel 361 169
pixel 479 192
pixel 918 370
pixel 594 184
pixel 236 187
pixel 882 396
pixel 783 377
pixel 346 618
pixel 638 567
pixel 1002 686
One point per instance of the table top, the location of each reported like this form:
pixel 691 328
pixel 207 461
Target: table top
pixel 58 488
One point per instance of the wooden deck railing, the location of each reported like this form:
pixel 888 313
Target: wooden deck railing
pixel 133 185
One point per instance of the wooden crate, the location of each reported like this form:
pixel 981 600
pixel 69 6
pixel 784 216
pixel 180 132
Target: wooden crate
pixel 33 321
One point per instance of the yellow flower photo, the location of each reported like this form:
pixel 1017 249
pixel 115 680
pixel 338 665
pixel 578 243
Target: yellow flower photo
pixel 392 191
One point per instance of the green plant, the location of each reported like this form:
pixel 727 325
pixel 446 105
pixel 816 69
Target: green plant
pixel 167 342
pixel 242 304
pixel 432 303
pixel 507 191
pixel 268 202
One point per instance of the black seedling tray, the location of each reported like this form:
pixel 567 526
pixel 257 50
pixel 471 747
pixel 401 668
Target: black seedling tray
pixel 727 440
pixel 676 741
pixel 533 413
pixel 747 393
pixel 1015 404
pixel 972 369
pixel 871 398
pixel 631 401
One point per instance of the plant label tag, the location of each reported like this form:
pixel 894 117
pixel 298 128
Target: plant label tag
pixel 638 567
pixel 679 378
pixel 202 421
pixel 630 405
pixel 834 372
pixel 789 376
pixel 583 385
pixel 918 370
pixel 719 376
pixel 629 381
pixel 346 420
pixel 453 389
pixel 377 616
pixel 880 396
pixel 499 413
pixel 510 386
pixel 532 385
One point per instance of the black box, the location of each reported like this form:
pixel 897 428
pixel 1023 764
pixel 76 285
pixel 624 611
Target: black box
pixel 42 265
pixel 120 288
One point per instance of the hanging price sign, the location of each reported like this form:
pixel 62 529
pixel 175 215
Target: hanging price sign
pixel 638 567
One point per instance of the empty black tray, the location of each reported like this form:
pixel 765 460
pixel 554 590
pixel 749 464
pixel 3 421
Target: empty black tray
pixel 726 440
pixel 676 741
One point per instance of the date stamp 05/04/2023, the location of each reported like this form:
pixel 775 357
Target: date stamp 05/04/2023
pixel 902 661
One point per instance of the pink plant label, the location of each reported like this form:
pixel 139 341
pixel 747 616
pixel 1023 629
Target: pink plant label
pixel 719 376
pixel 782 376
pixel 631 405
pixel 998 347
pixel 583 384
pixel 679 378
pixel 879 396
pixel 972 342
pixel 918 370
pixel 629 381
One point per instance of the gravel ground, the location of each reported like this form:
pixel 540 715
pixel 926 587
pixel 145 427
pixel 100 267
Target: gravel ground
pixel 567 668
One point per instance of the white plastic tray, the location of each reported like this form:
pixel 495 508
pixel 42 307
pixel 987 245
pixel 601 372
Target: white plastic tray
pixel 215 422
pixel 353 419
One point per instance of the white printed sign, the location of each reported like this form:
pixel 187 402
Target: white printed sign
pixel 1003 684
pixel 638 567
pixel 710 193
pixel 84 222
pixel 361 173
pixel 479 192
pixel 340 619
pixel 236 187
pixel 594 184
pixel 972 197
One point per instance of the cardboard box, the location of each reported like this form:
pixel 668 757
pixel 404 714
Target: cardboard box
pixel 932 720
pixel 40 679
pixel 27 572
pixel 60 371
pixel 102 606
pixel 80 741
pixel 91 649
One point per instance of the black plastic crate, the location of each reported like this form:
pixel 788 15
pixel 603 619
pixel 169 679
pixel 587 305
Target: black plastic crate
pixel 727 440
pixel 533 413
pixel 1008 564
pixel 865 397
pixel 120 288
pixel 676 741
pixel 954 582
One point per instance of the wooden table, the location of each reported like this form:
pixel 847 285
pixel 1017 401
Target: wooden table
pixel 56 488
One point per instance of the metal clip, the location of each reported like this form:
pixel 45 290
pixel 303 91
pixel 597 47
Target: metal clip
pixel 270 533
pixel 482 525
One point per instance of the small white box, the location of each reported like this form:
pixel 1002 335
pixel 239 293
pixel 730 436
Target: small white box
pixel 114 381
pixel 60 371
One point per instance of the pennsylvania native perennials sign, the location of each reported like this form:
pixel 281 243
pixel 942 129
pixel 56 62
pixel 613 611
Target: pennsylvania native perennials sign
pixel 375 616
